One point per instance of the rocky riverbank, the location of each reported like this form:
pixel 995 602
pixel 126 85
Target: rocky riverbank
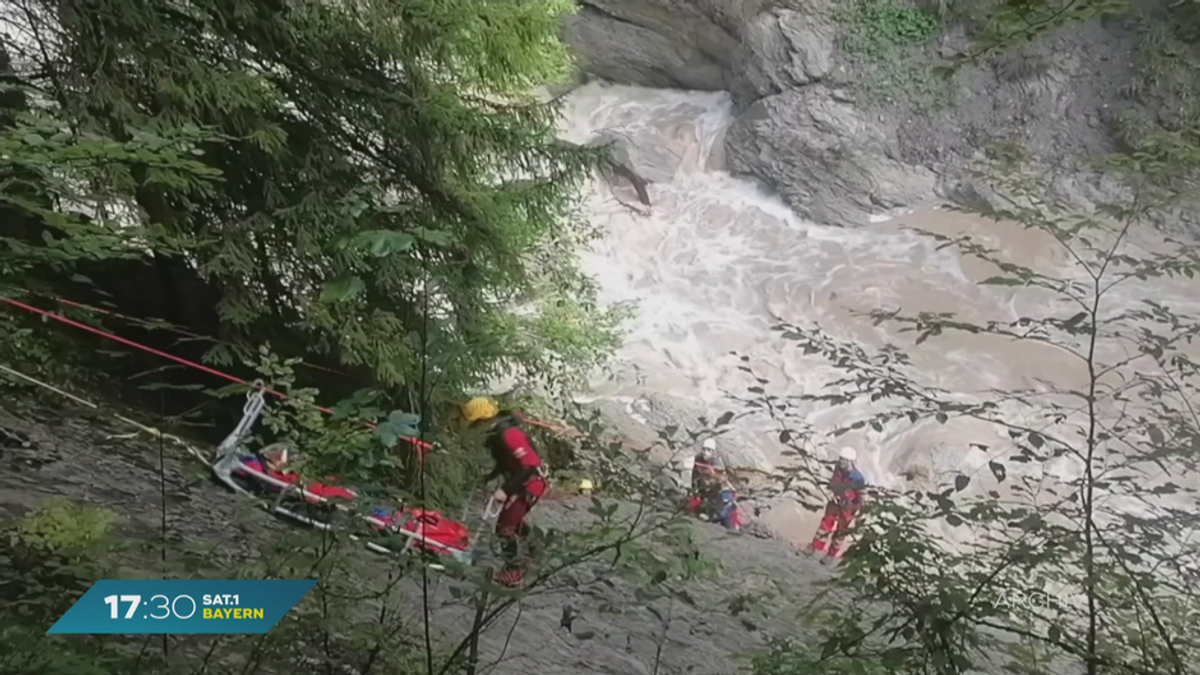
pixel 47 453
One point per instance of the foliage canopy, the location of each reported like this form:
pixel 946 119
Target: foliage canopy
pixel 328 170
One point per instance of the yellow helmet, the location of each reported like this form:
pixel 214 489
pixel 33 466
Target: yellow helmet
pixel 585 485
pixel 480 408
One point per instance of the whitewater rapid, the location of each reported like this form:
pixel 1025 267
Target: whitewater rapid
pixel 717 260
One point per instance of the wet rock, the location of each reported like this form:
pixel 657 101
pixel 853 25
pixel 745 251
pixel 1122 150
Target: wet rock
pixel 568 618
pixel 782 49
pixel 760 530
pixel 656 43
pixel 12 438
pixel 751 48
pixel 1059 96
pixel 825 157
pixel 653 163
pixel 630 54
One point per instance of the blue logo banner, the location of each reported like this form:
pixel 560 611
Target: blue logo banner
pixel 182 606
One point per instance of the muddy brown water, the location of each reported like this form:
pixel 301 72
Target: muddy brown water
pixel 717 260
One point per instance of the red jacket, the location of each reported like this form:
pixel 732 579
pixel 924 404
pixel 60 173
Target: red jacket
pixel 514 454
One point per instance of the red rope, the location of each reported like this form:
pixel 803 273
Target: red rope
pixel 546 425
pixel 182 331
pixel 424 446
pixel 156 323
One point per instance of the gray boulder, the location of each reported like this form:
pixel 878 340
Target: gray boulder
pixel 631 54
pixel 826 159
pixel 751 47
pixel 688 44
pixel 654 162
pixel 781 49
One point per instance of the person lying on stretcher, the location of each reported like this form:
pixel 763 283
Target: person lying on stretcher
pixel 275 463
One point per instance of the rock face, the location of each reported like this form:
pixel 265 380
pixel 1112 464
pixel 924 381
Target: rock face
pixel 626 52
pixel 835 160
pixel 785 48
pixel 750 47
pixel 824 157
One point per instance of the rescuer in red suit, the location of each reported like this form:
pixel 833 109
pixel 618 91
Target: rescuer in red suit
pixel 520 467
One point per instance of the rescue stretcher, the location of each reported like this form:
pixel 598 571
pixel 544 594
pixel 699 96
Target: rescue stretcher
pixel 283 495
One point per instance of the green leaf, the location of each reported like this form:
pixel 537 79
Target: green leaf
pixel 435 237
pixel 1001 281
pixel 961 481
pixel 725 418
pixel 398 425
pixel 342 289
pixel 406 418
pixel 380 243
pixel 1156 435
pixel 998 471
pixel 387 435
pixel 1036 440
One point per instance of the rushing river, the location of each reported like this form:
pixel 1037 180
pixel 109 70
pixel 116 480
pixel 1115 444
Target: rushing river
pixel 717 260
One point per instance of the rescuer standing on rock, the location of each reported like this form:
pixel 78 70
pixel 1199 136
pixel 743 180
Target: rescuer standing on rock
pixel 713 496
pixel 707 472
pixel 846 485
pixel 523 477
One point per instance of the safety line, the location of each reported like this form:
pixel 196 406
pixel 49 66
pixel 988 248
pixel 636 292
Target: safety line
pixel 187 333
pixel 424 446
pixel 159 324
pixel 150 430
pixel 179 330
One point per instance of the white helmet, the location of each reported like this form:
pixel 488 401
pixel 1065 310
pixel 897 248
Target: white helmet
pixel 709 444
pixel 847 453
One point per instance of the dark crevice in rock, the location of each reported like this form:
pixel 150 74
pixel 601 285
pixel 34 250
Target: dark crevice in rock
pixel 587 6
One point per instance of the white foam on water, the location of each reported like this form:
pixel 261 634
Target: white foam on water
pixel 716 260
